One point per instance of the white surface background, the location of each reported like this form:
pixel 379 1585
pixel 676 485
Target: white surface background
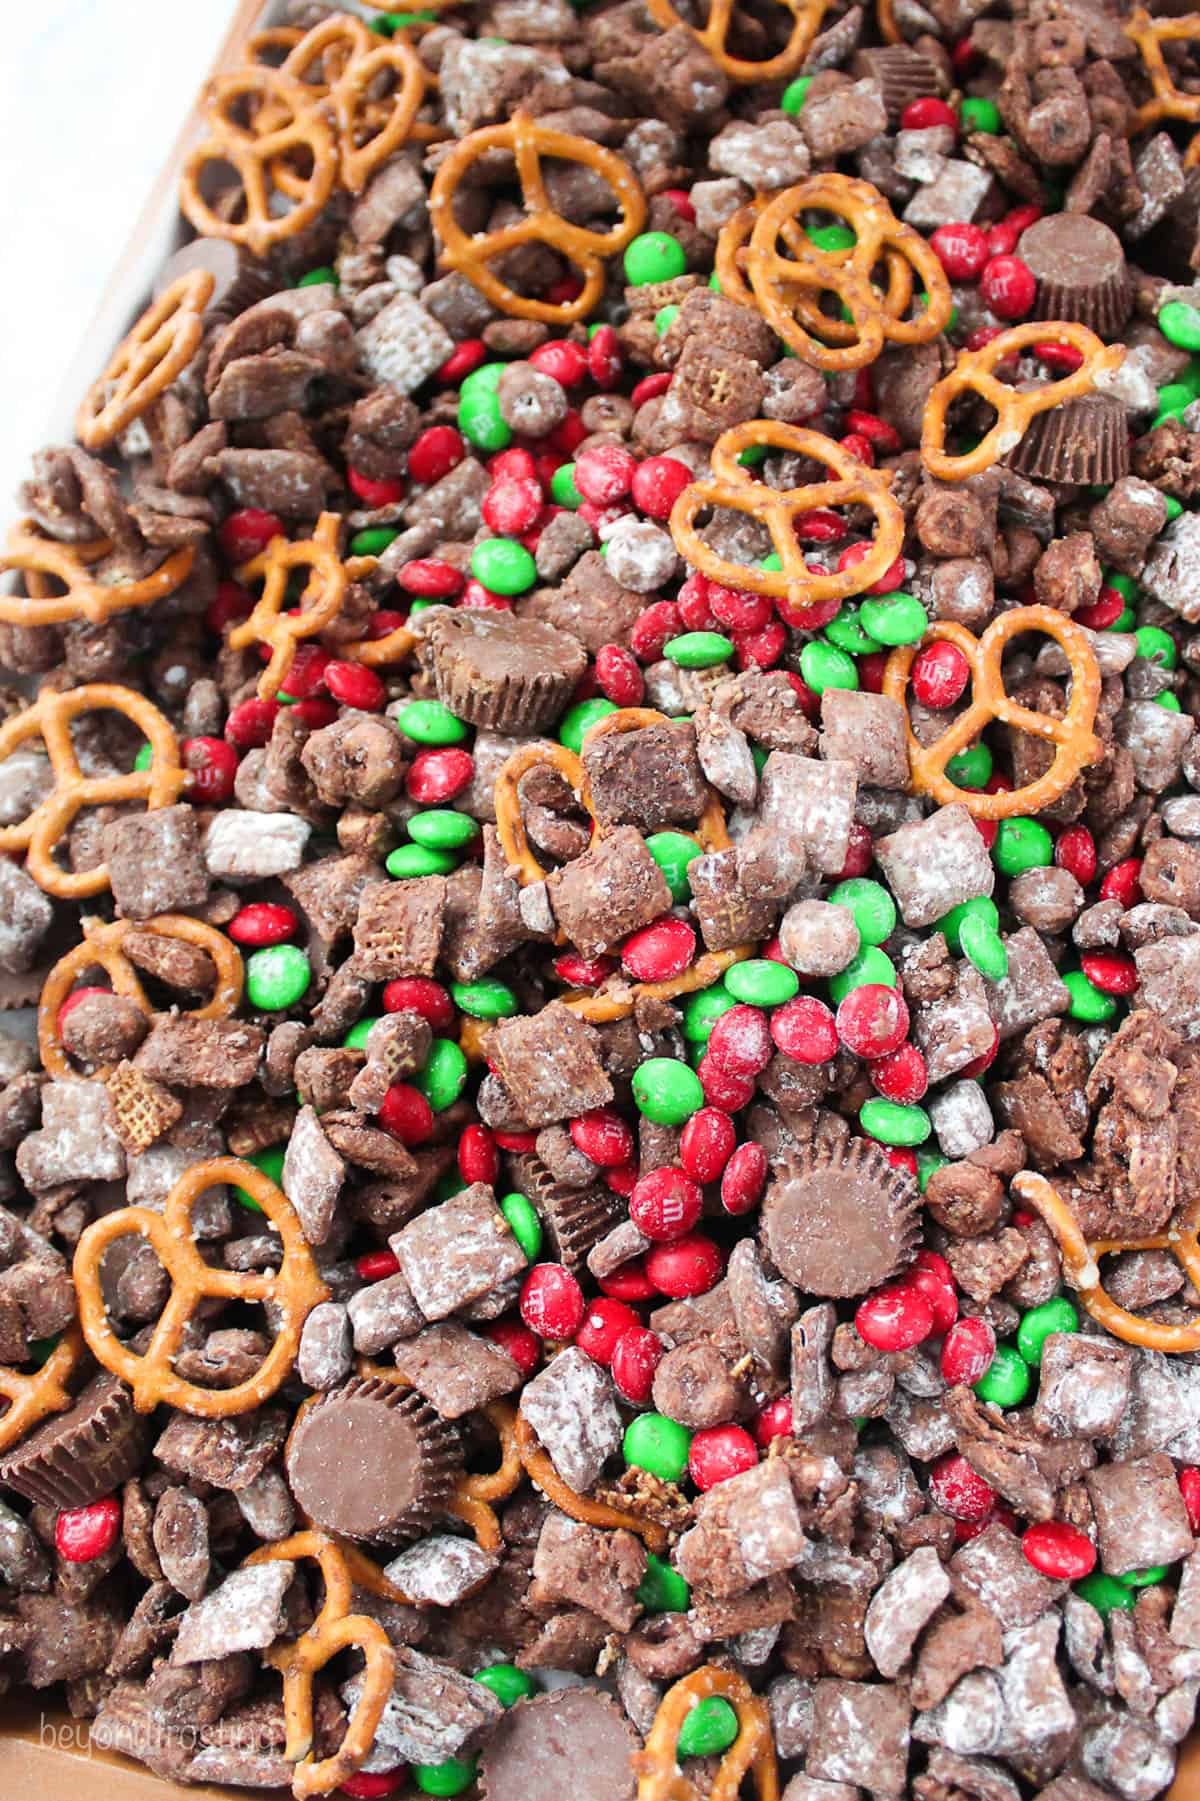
pixel 92 94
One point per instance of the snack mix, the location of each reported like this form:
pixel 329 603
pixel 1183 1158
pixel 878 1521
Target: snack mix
pixel 600 913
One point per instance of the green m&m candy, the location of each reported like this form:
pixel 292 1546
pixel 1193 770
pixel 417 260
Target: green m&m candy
pixel 578 721
pixel 1006 1381
pixel 507 1683
pixel 1155 1572
pixel 702 1010
pixel 503 565
pixel 319 278
pixel 847 631
pixel 270 1162
pixel 793 96
pixel 409 861
pixel 667 1091
pixel 277 977
pixel 442 828
pixel 1105 1593
pixel 833 237
pixel 950 924
pixel 523 1222
pixel 698 650
pixel 1169 702
pixel 928 1163
pixel 444 1076
pixel 562 487
pixel 983 946
pixel 664 319
pixel 980 115
pixel 655 1443
pixel 1036 1326
pixel 759 982
pixel 971 768
pixel 870 965
pixel 825 666
pixel 654 256
pixel 662 1589
pixel 429 722
pixel 893 1123
pixel 673 851
pixel 708 1729
pixel 486 999
pixel 1179 324
pixel 453 1777
pixel 479 416
pixel 871 905
pixel 1022 844
pixel 373 541
pixel 1088 1002
pixel 144 758
pixel 1156 646
pixel 895 618
pixel 356 1037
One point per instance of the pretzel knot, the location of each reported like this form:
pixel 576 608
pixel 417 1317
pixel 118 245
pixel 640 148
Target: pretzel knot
pixel 43 830
pixel 734 487
pixel 293 1292
pixel 255 158
pixel 320 603
pixel 543 1475
pixel 974 372
pixel 1081 1266
pixel 614 1001
pixel 35 1396
pixel 159 348
pixel 1076 745
pixel 806 15
pixel 47 566
pixel 659 1775
pixel 376 653
pixel 789 287
pixel 529 142
pixel 102 945
pixel 1168 103
pixel 335 1629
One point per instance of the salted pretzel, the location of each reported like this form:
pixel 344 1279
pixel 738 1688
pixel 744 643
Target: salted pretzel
pixel 543 1475
pixel 807 16
pixel 336 1628
pixel 733 486
pixel 33 1396
pixel 48 567
pixel 293 1292
pixel 376 653
pixel 974 373
pixel 320 603
pixel 49 719
pixel 158 348
pixel 102 945
pixel 473 1495
pixel 788 287
pixel 885 16
pixel 1168 102
pixel 659 1775
pixel 1081 1265
pixel 255 158
pixel 1075 742
pixel 472 255
pixel 616 1000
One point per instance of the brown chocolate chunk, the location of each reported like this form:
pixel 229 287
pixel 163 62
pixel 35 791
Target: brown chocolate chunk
pixel 572 1407
pixel 550 1065
pixel 154 862
pixel 371 1461
pixel 511 675
pixel 649 778
pixel 839 1221
pixel 935 864
pixel 866 731
pixel 730 909
pixel 457 1252
pixel 82 1454
pixel 591 1568
pixel 202 1053
pixel 860 1735
pixel 542 1747
pixel 747 1528
pixel 609 892
pixel 1140 1516
pixel 456 1371
pixel 398 931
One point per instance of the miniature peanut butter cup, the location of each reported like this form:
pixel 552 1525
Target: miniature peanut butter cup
pixel 572 1741
pixel 839 1221
pixel 372 1461
pixel 1081 272
pixel 83 1454
pixel 903 74
pixel 506 674
pixel 575 1219
pixel 1083 441
pixel 240 279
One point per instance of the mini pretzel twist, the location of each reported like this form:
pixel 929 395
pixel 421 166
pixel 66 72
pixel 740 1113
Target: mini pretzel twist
pixel 807 16
pixel 661 1779
pixel 529 142
pixel 376 653
pixel 356 114
pixel 45 564
pixel 293 1292
pixel 615 1001
pixel 974 372
pixel 543 1475
pixel 1168 103
pixel 33 1397
pixel 730 485
pixel 885 16
pixel 1081 1265
pixel 335 1629
pixel 102 945
pixel 788 287
pixel 50 720
pixel 255 158
pixel 320 603
pixel 159 348
pixel 1076 745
